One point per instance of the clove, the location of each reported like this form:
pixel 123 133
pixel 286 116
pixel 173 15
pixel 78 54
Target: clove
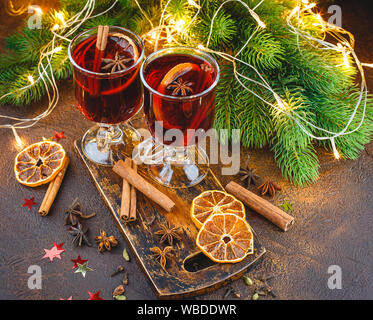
pixel 117 271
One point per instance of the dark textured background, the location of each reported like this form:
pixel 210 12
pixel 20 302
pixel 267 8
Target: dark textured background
pixel 333 216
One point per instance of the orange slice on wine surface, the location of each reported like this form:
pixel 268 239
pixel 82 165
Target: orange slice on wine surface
pixel 213 202
pixel 127 46
pixel 39 163
pixel 178 81
pixel 226 238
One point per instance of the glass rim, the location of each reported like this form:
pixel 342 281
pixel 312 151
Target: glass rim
pixel 107 73
pixel 195 96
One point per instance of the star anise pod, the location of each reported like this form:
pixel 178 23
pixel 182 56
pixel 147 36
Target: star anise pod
pixel 79 233
pixel 74 212
pixel 180 87
pixel 269 187
pixel 105 242
pixel 162 255
pixel 115 64
pixel 248 175
pixel 168 232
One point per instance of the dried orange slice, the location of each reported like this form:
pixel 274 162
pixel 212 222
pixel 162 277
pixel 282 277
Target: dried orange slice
pixel 226 238
pixel 212 202
pixel 39 163
pixel 127 46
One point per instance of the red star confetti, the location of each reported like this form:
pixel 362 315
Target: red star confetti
pixel 69 298
pixel 95 296
pixel 59 246
pixel 54 252
pixel 59 135
pixel 29 203
pixel 77 261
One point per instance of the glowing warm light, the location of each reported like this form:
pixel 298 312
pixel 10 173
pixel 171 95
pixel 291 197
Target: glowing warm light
pixel 19 142
pixel 200 47
pixel 335 151
pixel 193 3
pixel 305 1
pixel 55 27
pixel 57 49
pixel 154 35
pixel 60 16
pixel 179 25
pixel 345 55
pixel 257 19
pixel 295 10
pixel 31 79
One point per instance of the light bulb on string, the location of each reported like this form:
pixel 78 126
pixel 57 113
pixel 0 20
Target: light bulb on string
pixel 179 25
pixel 30 78
pixel 60 16
pixel 194 4
pixel 19 142
pixel 335 151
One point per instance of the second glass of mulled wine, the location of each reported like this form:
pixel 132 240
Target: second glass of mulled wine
pixel 179 106
pixel 108 88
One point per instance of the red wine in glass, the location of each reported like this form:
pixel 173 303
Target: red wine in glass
pixel 179 105
pixel 108 88
pixel 114 96
pixel 179 80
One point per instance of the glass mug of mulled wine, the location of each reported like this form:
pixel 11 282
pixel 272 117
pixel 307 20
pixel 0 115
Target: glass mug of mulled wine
pixel 179 106
pixel 108 89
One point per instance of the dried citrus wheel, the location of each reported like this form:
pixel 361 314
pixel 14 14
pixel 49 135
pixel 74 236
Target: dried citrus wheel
pixel 39 163
pixel 212 202
pixel 226 238
pixel 128 48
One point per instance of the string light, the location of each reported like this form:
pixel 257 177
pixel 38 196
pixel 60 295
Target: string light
pixel 31 79
pixel 179 28
pixel 60 16
pixel 45 69
pixel 193 3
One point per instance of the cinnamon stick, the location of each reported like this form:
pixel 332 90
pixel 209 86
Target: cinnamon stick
pixel 274 214
pixel 52 190
pixel 124 214
pixel 101 42
pixel 133 208
pixel 143 186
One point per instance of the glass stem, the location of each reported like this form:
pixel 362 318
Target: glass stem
pixel 108 135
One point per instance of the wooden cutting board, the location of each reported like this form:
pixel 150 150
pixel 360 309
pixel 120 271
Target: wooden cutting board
pixel 190 272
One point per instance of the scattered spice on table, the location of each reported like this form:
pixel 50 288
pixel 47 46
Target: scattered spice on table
pixel 168 233
pixel 74 212
pixel 126 256
pixel 269 187
pixel 79 233
pixel 118 291
pixel 162 255
pixel 105 242
pixel 248 174
pixel 117 271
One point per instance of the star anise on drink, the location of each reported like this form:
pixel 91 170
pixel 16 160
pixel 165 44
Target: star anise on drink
pixel 162 255
pixel 269 187
pixel 79 232
pixel 116 64
pixel 168 232
pixel 180 87
pixel 105 242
